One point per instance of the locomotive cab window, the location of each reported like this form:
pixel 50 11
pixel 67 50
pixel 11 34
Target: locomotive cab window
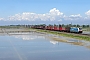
pixel 80 28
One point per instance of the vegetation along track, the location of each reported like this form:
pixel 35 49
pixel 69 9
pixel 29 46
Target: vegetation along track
pixel 71 35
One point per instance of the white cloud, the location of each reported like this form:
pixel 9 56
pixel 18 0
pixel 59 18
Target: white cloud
pixel 88 15
pixel 73 17
pixel 23 16
pixel 54 14
pixel 54 11
pixel 1 18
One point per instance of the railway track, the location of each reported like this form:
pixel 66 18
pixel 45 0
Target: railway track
pixel 86 34
pixel 81 34
pixel 77 34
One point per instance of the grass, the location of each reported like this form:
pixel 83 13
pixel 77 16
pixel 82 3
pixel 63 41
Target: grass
pixel 76 36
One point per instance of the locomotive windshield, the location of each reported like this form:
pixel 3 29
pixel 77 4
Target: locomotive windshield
pixel 80 28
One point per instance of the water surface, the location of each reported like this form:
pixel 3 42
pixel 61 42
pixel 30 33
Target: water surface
pixel 36 46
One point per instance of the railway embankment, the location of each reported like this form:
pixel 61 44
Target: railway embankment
pixel 70 35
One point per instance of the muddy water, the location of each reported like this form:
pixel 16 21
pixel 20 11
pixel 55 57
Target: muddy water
pixel 36 46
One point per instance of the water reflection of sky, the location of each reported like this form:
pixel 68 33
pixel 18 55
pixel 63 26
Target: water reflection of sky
pixel 52 39
pixel 28 37
pixel 33 37
pixel 42 47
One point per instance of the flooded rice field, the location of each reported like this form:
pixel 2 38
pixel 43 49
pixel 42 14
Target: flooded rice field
pixel 37 46
pixel 86 32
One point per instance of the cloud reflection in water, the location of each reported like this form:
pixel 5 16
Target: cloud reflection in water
pixel 54 42
pixel 28 37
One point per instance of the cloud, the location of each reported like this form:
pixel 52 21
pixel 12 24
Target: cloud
pixel 87 15
pixel 23 16
pixel 73 17
pixel 1 18
pixel 53 14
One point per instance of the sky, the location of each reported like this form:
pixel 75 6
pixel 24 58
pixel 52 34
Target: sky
pixel 44 12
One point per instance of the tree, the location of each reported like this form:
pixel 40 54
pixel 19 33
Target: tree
pixel 78 25
pixel 63 25
pixel 74 25
pixel 87 26
pixel 70 25
pixel 83 26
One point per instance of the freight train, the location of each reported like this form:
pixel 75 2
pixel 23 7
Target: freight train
pixel 59 28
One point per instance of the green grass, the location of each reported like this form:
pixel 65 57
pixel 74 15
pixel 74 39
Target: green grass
pixel 76 36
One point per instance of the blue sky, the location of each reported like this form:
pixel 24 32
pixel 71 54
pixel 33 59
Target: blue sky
pixel 68 10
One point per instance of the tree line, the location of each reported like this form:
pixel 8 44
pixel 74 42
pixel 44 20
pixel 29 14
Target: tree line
pixel 63 25
pixel 69 25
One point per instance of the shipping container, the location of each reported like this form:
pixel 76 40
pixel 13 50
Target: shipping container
pixel 51 28
pixel 56 28
pixel 61 29
pixel 67 29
